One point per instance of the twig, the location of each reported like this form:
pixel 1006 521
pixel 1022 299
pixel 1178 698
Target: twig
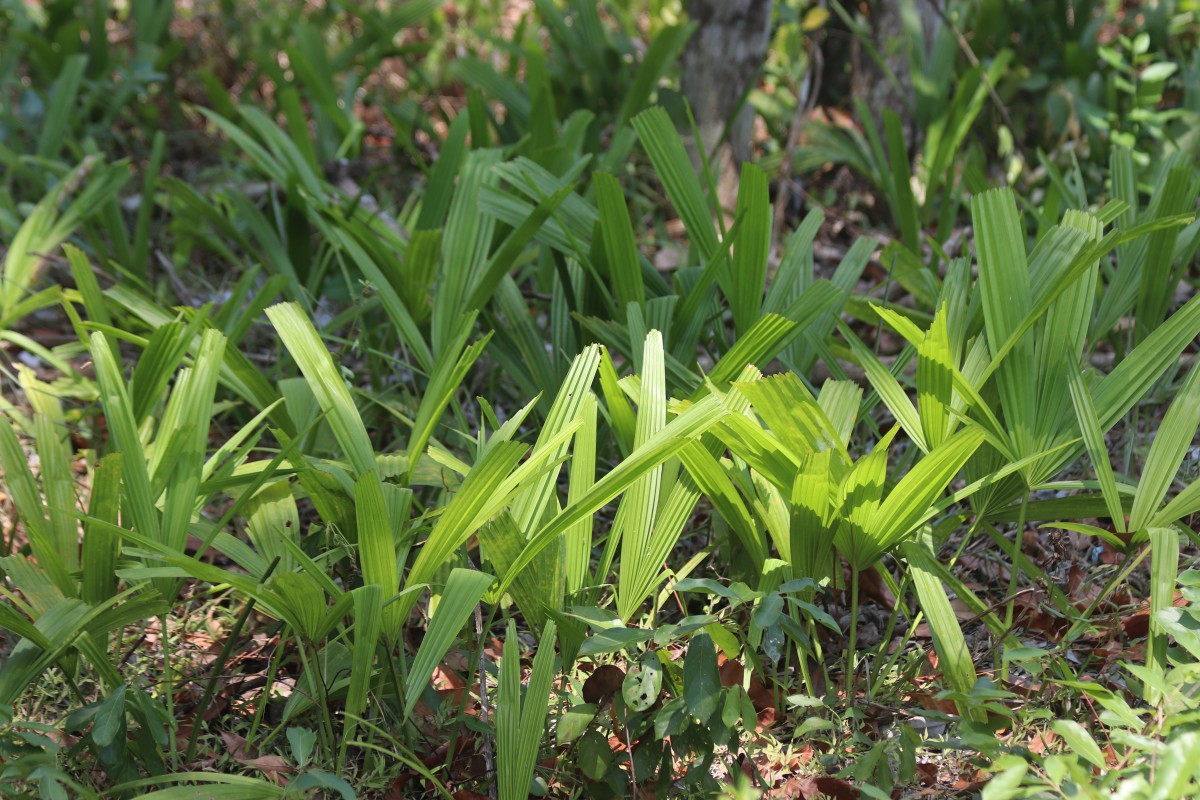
pixel 173 277
pixel 1001 602
pixel 965 46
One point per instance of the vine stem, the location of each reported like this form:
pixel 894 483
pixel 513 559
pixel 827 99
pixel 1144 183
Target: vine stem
pixel 852 647
pixel 169 677
pixel 489 759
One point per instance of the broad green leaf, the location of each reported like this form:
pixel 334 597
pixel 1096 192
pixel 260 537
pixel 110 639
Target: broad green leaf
pixel 657 449
pixel 747 283
pixel 701 683
pixel 613 640
pixel 1167 450
pixel 1097 447
pixel 376 548
pixel 302 341
pixel 1079 741
pixel 520 722
pixel 674 169
pixel 643 683
pixel 908 504
pixel 954 659
pixel 463 590
pixel 574 721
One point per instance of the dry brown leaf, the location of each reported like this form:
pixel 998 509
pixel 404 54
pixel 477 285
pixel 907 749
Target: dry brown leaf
pixel 927 773
pixel 235 746
pixel 274 767
pixel 931 703
pixel 602 684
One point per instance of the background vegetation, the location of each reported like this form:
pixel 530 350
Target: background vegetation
pixel 397 404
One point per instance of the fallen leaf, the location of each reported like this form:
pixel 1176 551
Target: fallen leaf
pixel 810 788
pixel 871 585
pixel 1040 743
pixel 837 789
pixel 602 684
pixel 931 703
pixel 666 259
pixel 971 781
pixel 274 767
pixel 235 746
pixel 732 673
pixel 1137 624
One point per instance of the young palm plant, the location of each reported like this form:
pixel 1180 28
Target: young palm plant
pixel 791 456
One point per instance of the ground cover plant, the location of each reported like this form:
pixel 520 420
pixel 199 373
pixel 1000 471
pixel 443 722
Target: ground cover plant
pixel 397 403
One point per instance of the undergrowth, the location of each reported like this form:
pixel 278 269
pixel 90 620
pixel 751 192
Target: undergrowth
pixel 391 411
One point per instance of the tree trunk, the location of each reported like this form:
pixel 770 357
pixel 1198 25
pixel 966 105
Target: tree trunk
pixel 720 60
pixel 892 42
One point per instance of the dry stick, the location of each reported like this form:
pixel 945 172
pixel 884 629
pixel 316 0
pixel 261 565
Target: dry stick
pixel 1003 601
pixel 629 751
pixel 132 649
pixel 177 286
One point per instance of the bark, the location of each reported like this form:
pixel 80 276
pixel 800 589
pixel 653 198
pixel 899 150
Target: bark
pixel 891 41
pixel 719 62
